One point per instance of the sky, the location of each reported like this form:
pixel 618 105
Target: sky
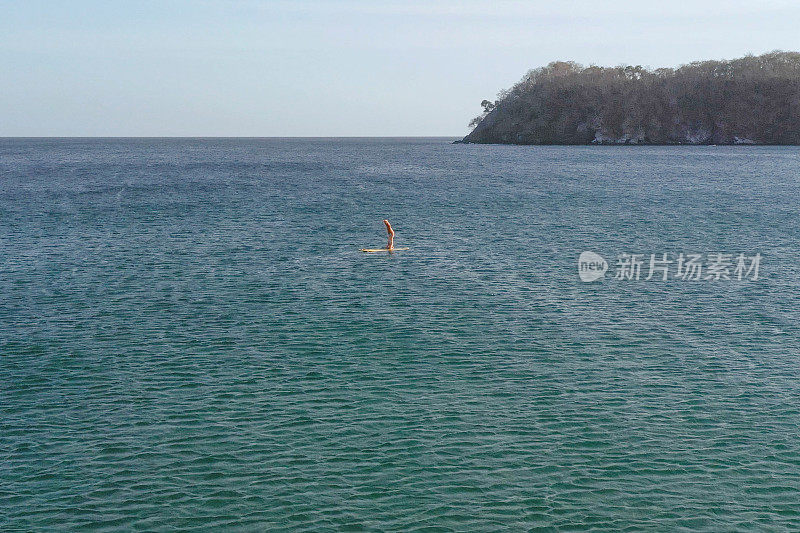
pixel 276 68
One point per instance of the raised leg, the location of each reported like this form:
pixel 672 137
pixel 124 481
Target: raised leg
pixel 390 231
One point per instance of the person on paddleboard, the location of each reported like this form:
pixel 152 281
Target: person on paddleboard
pixel 390 231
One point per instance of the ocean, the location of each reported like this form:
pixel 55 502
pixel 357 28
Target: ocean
pixel 190 338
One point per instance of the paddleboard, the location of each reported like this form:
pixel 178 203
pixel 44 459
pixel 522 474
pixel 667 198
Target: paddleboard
pixel 373 250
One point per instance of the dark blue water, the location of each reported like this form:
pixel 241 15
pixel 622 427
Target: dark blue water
pixel 190 338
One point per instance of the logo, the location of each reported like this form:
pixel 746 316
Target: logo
pixel 591 266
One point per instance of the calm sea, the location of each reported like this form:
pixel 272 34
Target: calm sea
pixel 191 339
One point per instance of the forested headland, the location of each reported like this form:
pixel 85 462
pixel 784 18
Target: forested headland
pixel 750 100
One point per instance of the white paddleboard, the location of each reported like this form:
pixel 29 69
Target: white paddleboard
pixel 373 250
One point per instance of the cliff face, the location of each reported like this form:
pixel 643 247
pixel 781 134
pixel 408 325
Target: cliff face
pixel 751 100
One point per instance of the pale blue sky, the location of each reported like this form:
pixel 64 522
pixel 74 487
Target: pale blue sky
pixel 330 68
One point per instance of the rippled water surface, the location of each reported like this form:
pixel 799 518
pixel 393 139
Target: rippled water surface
pixel 190 338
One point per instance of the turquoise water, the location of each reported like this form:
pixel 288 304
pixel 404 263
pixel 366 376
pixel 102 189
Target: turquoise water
pixel 190 338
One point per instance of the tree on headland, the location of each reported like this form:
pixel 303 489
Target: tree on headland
pixel 487 108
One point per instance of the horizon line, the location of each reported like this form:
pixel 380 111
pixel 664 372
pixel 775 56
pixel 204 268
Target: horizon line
pixel 231 137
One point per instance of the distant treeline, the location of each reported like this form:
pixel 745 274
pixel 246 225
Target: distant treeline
pixel 751 100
